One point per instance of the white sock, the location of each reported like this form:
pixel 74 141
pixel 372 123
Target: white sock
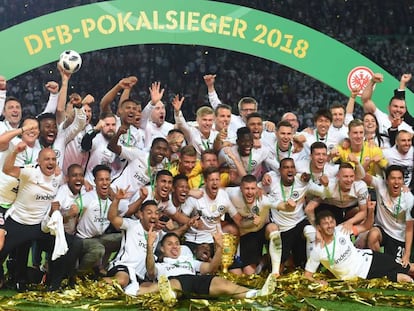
pixel 310 234
pixel 252 293
pixel 275 251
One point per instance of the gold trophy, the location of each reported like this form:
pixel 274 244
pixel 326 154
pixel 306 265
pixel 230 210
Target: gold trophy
pixel 229 250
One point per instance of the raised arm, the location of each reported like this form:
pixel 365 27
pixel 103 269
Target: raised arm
pixel 87 139
pixel 113 213
pixel 149 258
pixel 127 89
pixel 53 88
pixel 6 137
pixel 179 118
pixel 63 94
pixel 212 94
pixel 350 106
pixel 113 142
pixel 156 93
pixel 109 97
pixel 366 96
pixel 9 168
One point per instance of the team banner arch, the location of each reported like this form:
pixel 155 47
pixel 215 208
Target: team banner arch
pixel 117 23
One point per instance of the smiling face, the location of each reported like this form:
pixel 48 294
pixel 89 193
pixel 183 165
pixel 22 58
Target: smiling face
pixel 284 136
pixel 395 181
pixel 287 172
pixel 338 116
pixel 356 135
pixel 180 190
pixel 187 164
pixel 48 131
pixel 12 112
pixel 158 114
pixel 322 125
pixel 163 187
pixel 75 179
pixel 397 108
pixel 249 191
pixel 158 152
pixel 128 112
pixel 245 144
pixel 149 216
pixel 205 123
pixel 30 136
pixel 319 157
pixel 255 125
pixel 171 247
pixel 327 226
pixel 404 142
pixel 370 124
pixel 223 116
pixel 47 161
pixel 346 177
pixel 102 182
pixel 212 184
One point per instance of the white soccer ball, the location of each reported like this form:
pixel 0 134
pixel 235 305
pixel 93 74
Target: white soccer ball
pixel 70 61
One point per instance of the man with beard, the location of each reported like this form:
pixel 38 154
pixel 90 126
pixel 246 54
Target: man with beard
pixel 73 150
pixel 37 189
pixel 245 159
pixel 337 253
pixel 94 221
pixel 396 108
pixel 256 231
pixel 96 142
pixel 153 116
pixel 201 136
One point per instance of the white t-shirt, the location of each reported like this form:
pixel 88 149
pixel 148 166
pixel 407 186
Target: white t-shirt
pixel 196 139
pixel 133 248
pixel 36 192
pixel 178 266
pixel 349 261
pixel 66 199
pixel 94 219
pixel 329 169
pixel 210 211
pixel 287 220
pixel 392 213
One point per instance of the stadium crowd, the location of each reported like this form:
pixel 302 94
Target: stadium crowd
pixel 102 173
